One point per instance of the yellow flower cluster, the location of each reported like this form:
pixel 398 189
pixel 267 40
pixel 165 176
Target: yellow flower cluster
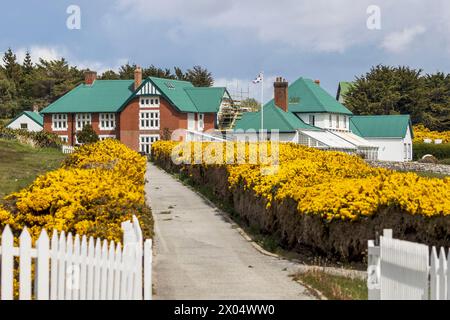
pixel 421 133
pixel 334 185
pixel 98 187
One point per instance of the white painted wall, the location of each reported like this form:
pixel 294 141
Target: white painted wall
pixel 254 136
pixel 392 149
pixel 32 125
pixel 322 120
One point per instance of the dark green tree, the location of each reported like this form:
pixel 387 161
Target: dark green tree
pixel 27 65
pixel 109 75
pixel 87 135
pixel 199 77
pixel 11 67
pixel 251 104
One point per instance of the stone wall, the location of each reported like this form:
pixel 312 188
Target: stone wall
pixel 412 166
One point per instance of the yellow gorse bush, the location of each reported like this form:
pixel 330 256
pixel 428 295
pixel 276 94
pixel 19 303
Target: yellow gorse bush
pixel 334 185
pixel 421 133
pixel 99 186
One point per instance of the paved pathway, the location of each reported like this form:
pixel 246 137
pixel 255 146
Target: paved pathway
pixel 199 255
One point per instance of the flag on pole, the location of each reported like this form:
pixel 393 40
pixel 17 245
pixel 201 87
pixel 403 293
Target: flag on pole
pixel 259 78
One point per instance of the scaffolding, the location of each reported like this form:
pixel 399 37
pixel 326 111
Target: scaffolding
pixel 231 109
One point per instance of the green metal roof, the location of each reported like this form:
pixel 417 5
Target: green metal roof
pixel 381 126
pixel 206 99
pixel 174 91
pixel 35 116
pixel 343 88
pixel 101 96
pixel 274 118
pixel 306 96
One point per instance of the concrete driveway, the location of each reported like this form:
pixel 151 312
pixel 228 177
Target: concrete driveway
pixel 199 255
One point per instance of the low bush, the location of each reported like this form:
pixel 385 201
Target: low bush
pixel 440 151
pixel 99 186
pixel 40 139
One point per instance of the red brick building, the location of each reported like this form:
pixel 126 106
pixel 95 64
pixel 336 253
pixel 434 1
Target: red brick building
pixel 137 112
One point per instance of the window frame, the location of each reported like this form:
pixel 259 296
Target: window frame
pixel 149 119
pixel 149 102
pixel 145 146
pixel 62 120
pixel 108 120
pixel 201 121
pixel 107 136
pixel 83 121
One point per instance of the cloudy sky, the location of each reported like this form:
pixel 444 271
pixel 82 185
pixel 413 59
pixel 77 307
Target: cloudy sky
pixel 319 39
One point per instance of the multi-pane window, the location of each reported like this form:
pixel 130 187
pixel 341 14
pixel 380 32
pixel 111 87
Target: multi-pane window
pixel 59 122
pixel 149 102
pixel 149 120
pixel 409 151
pixel 201 121
pixel 405 151
pixel 106 136
pixel 82 119
pixel 64 139
pixel 107 121
pixel 24 126
pixel 145 142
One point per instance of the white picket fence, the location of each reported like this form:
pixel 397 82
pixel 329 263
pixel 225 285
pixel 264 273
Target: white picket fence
pixel 67 149
pixel 77 268
pixel 403 270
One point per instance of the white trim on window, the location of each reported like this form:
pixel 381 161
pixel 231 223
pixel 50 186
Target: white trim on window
pixel 149 120
pixel 107 121
pixel 145 142
pixel 82 119
pixel 106 136
pixel 149 102
pixel 59 121
pixel 64 139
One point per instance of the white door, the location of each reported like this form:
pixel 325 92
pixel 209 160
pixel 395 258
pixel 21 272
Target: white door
pixel 191 121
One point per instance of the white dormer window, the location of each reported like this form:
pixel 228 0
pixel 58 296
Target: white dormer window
pixel 82 119
pixel 107 121
pixel 148 102
pixel 59 122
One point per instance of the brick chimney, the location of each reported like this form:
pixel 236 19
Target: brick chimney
pixel 281 93
pixel 317 82
pixel 90 77
pixel 137 77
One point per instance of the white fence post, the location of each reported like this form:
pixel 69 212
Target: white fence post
pixel 434 275
pixel 7 264
pixel 42 266
pixel 25 265
pixel 148 269
pixel 373 271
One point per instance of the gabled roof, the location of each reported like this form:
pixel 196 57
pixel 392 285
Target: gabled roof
pixel 35 116
pixel 343 88
pixel 174 91
pixel 274 118
pixel 206 99
pixel 101 96
pixel 381 126
pixel 306 96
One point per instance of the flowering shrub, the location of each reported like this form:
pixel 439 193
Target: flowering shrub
pixel 421 133
pixel 99 186
pixel 333 185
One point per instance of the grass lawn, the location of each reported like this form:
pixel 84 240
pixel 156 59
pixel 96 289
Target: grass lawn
pixel 20 164
pixel 334 287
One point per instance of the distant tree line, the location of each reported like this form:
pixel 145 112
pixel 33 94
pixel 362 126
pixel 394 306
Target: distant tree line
pixel 403 90
pixel 24 84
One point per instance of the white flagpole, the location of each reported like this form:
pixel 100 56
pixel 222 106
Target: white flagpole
pixel 262 104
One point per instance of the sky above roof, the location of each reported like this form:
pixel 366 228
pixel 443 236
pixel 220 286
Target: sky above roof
pixel 319 39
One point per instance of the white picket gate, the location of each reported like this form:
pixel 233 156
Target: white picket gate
pixel 77 268
pixel 404 270
pixel 67 149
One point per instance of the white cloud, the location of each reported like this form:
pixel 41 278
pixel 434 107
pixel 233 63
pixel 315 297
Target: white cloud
pixel 398 42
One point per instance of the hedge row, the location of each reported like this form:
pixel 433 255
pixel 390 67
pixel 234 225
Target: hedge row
pixel 341 240
pixel 440 151
pixel 40 139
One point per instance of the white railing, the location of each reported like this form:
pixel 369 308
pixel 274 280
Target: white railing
pixel 192 135
pixel 67 149
pixel 77 268
pixel 404 270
